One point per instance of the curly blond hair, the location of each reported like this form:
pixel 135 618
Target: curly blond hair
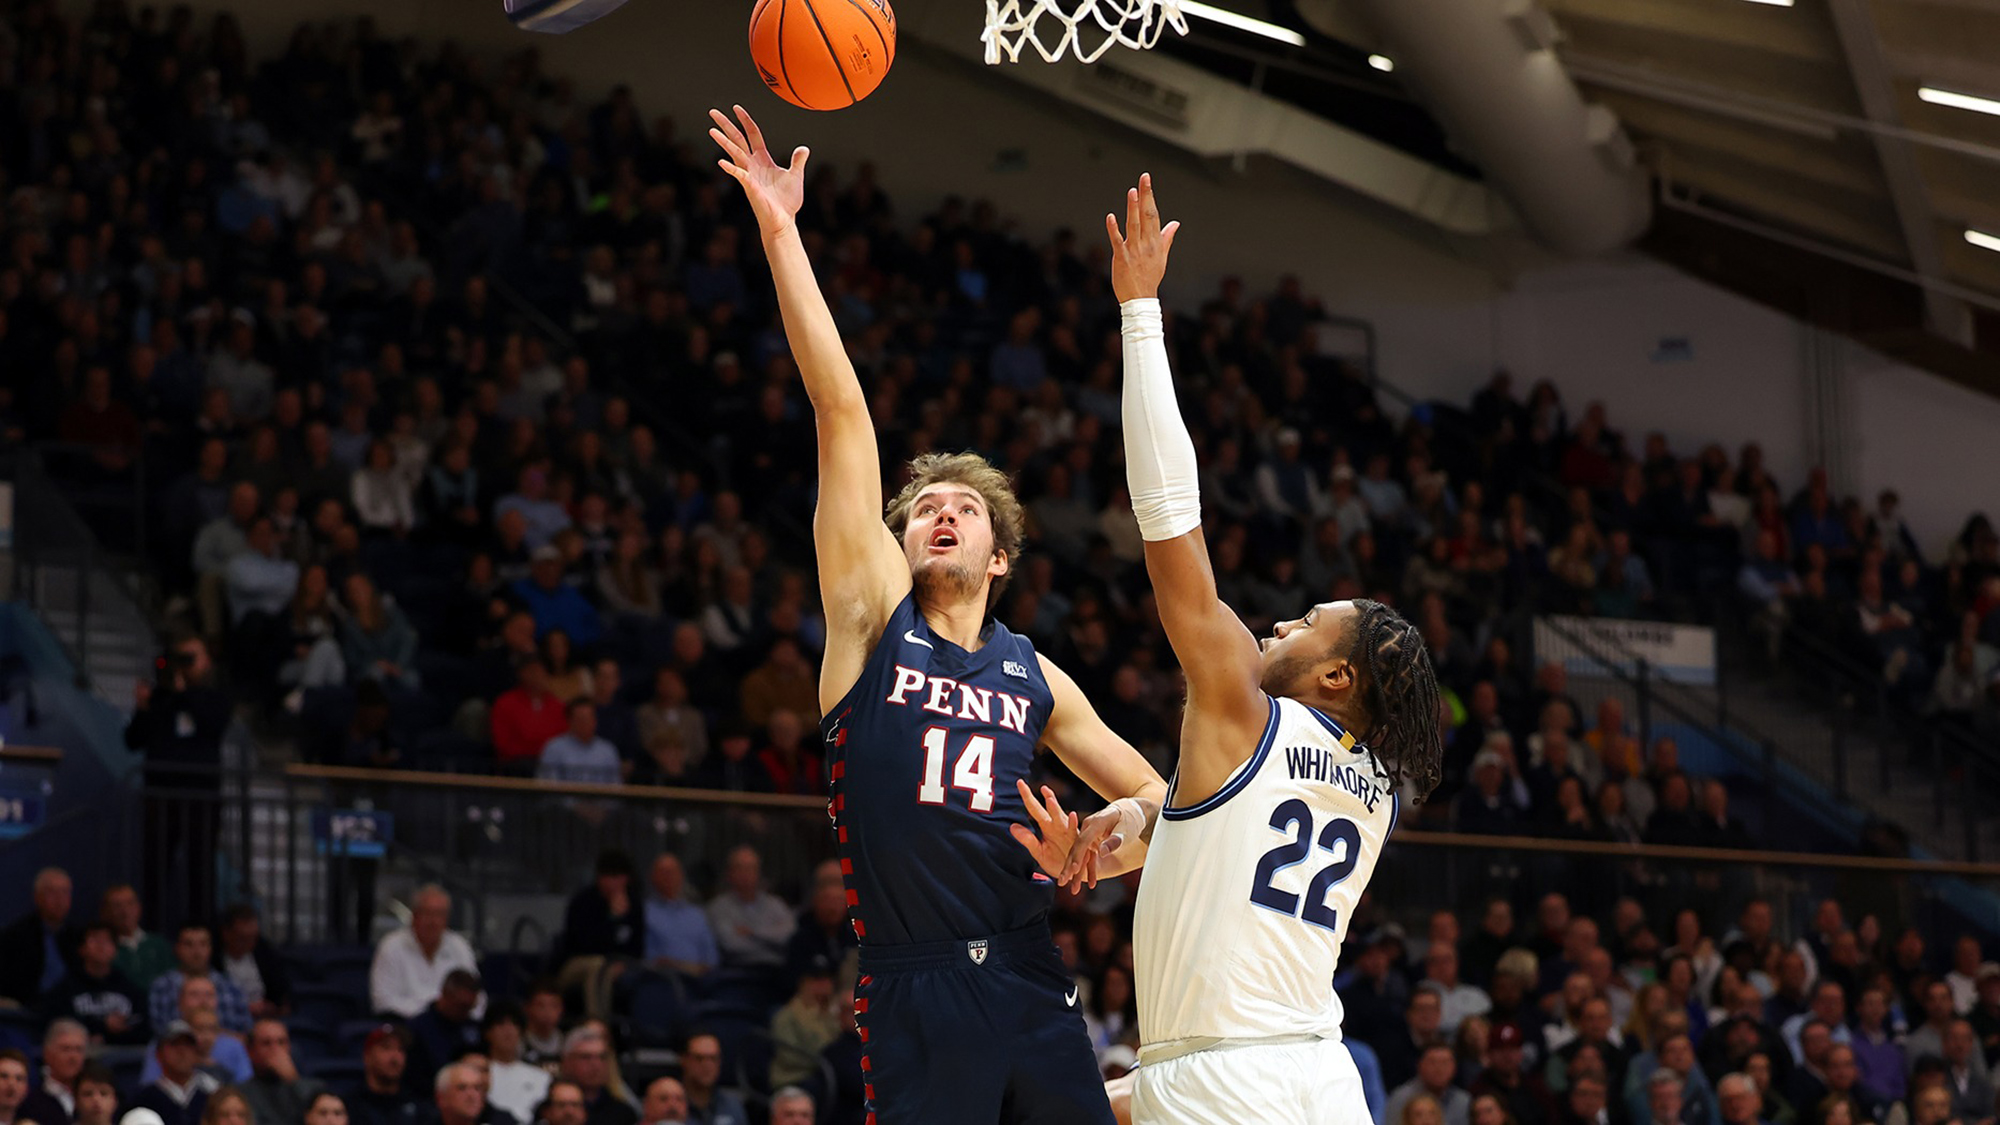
pixel 1003 508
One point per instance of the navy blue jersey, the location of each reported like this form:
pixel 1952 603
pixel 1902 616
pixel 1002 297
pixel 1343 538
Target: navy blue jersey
pixel 923 754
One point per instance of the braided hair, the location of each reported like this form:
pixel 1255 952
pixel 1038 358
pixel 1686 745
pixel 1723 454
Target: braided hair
pixel 1400 693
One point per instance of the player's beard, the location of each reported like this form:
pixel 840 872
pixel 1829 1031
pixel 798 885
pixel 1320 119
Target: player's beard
pixel 1283 675
pixel 946 580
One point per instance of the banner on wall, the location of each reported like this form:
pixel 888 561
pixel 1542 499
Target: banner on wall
pixel 1682 654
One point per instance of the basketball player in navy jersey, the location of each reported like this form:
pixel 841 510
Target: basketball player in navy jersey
pixel 934 712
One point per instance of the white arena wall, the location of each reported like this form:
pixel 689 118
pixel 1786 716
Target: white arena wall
pixel 1663 351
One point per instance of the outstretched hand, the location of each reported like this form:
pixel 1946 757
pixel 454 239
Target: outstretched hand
pixel 1056 842
pixel 1068 850
pixel 1139 255
pixel 776 192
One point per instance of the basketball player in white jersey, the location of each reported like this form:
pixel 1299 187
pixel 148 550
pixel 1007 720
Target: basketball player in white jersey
pixel 1293 749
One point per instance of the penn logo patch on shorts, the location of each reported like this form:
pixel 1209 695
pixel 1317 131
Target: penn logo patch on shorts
pixel 977 951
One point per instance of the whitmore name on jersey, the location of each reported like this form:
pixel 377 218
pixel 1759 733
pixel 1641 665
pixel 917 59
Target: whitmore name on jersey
pixel 1316 763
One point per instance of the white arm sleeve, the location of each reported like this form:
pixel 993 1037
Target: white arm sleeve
pixel 1159 456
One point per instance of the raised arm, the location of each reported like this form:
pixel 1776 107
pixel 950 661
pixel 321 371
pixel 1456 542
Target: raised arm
pixel 1226 709
pixel 862 570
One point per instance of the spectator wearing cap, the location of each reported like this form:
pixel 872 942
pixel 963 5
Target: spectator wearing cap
pixel 193 955
pixel 1496 803
pixel 39 948
pixel 804 1027
pixel 412 962
pixel 555 603
pixel 444 1031
pixel 677 932
pixel 1436 1068
pixel 525 717
pixel 275 1090
pixel 1525 1097
pixel 751 924
pixel 586 1061
pixel 97 995
pixel 517 1085
pixel 64 1048
pixel 381 1098
pixel 221 1054
pixel 180 1093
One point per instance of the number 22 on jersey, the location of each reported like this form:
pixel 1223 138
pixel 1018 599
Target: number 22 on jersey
pixel 1340 839
pixel 973 772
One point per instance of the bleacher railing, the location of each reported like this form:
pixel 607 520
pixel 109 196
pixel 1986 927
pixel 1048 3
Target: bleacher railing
pixel 512 850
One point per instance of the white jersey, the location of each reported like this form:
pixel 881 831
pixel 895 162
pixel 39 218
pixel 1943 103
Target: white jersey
pixel 1248 894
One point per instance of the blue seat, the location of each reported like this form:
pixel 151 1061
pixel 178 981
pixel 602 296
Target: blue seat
pixel 336 1073
pixel 349 1036
pixel 658 1010
pixel 326 1007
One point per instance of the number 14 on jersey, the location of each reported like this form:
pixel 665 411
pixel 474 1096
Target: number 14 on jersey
pixel 972 773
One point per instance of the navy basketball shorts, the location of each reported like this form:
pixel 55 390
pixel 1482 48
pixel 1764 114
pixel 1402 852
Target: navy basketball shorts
pixel 982 1032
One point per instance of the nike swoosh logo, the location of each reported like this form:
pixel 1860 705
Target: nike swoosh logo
pixel 1071 998
pixel 910 635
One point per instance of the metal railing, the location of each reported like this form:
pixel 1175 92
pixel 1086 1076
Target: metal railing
pixel 512 850
pixel 61 566
pixel 1431 871
pixel 1961 770
pixel 1654 701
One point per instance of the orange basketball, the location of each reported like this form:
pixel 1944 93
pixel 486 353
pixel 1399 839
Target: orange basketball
pixel 822 54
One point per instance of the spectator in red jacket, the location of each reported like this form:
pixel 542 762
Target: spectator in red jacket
pixel 527 716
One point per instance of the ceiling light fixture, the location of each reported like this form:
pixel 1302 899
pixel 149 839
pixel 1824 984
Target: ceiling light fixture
pixel 1983 240
pixel 1774 3
pixel 1936 96
pixel 1383 63
pixel 1243 23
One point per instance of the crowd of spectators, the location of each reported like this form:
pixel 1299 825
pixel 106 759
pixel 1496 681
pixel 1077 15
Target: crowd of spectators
pixel 208 1027
pixel 565 537
pixel 1552 1015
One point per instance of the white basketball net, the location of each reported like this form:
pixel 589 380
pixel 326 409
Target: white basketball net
pixel 1014 24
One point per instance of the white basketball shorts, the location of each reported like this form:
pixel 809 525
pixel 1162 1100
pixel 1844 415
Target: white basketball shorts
pixel 1245 1082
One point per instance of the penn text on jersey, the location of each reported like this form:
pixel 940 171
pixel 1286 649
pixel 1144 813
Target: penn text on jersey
pixel 1311 763
pixel 935 694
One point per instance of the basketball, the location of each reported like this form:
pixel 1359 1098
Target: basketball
pixel 822 54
